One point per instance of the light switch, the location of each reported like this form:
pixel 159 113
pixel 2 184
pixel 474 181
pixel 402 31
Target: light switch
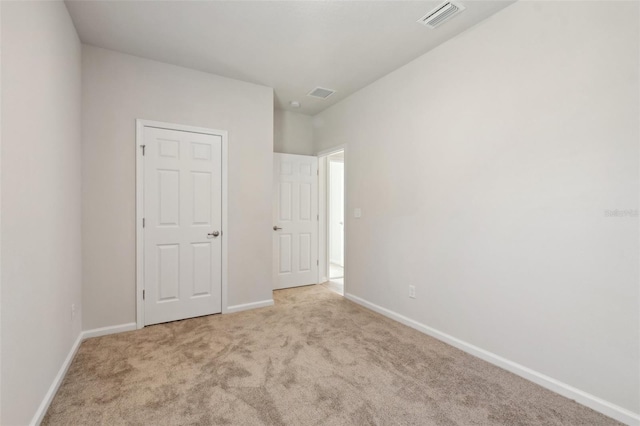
pixel 357 213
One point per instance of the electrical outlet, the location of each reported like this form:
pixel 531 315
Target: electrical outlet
pixel 73 310
pixel 412 291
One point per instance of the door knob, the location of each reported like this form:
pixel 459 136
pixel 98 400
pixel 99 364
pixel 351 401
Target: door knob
pixel 213 234
pixel 276 228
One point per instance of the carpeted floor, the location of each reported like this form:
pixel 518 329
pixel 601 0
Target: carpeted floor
pixel 312 359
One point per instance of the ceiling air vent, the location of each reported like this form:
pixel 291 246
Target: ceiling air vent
pixel 440 14
pixel 321 93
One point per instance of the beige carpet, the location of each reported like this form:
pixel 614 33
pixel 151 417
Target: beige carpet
pixel 312 359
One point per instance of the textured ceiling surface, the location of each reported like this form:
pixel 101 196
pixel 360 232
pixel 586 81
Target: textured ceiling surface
pixel 292 46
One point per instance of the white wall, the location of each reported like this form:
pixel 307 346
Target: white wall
pixel 484 169
pixel 293 133
pixel 119 88
pixel 41 212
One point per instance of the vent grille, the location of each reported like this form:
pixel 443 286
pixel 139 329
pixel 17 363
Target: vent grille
pixel 440 14
pixel 320 92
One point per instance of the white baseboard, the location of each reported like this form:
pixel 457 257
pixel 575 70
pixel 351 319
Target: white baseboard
pixel 247 306
pixel 57 381
pixel 598 404
pixel 103 331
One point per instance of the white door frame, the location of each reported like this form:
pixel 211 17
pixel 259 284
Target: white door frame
pixel 323 226
pixel 330 207
pixel 140 125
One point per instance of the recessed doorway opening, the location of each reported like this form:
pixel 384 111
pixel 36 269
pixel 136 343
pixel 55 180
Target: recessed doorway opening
pixel 332 223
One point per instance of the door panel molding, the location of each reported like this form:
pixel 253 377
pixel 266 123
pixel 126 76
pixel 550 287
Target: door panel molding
pixel 295 216
pixel 169 151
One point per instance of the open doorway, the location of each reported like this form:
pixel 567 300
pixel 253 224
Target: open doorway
pixel 336 216
pixel 332 209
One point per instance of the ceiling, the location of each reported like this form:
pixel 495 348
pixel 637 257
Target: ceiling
pixel 292 46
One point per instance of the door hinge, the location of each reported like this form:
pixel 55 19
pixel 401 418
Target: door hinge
pixel 317 217
pixel 143 222
pixel 142 294
pixel 318 262
pixel 142 146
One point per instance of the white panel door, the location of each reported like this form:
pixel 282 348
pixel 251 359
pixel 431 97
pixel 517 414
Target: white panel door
pixel 183 219
pixel 295 219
